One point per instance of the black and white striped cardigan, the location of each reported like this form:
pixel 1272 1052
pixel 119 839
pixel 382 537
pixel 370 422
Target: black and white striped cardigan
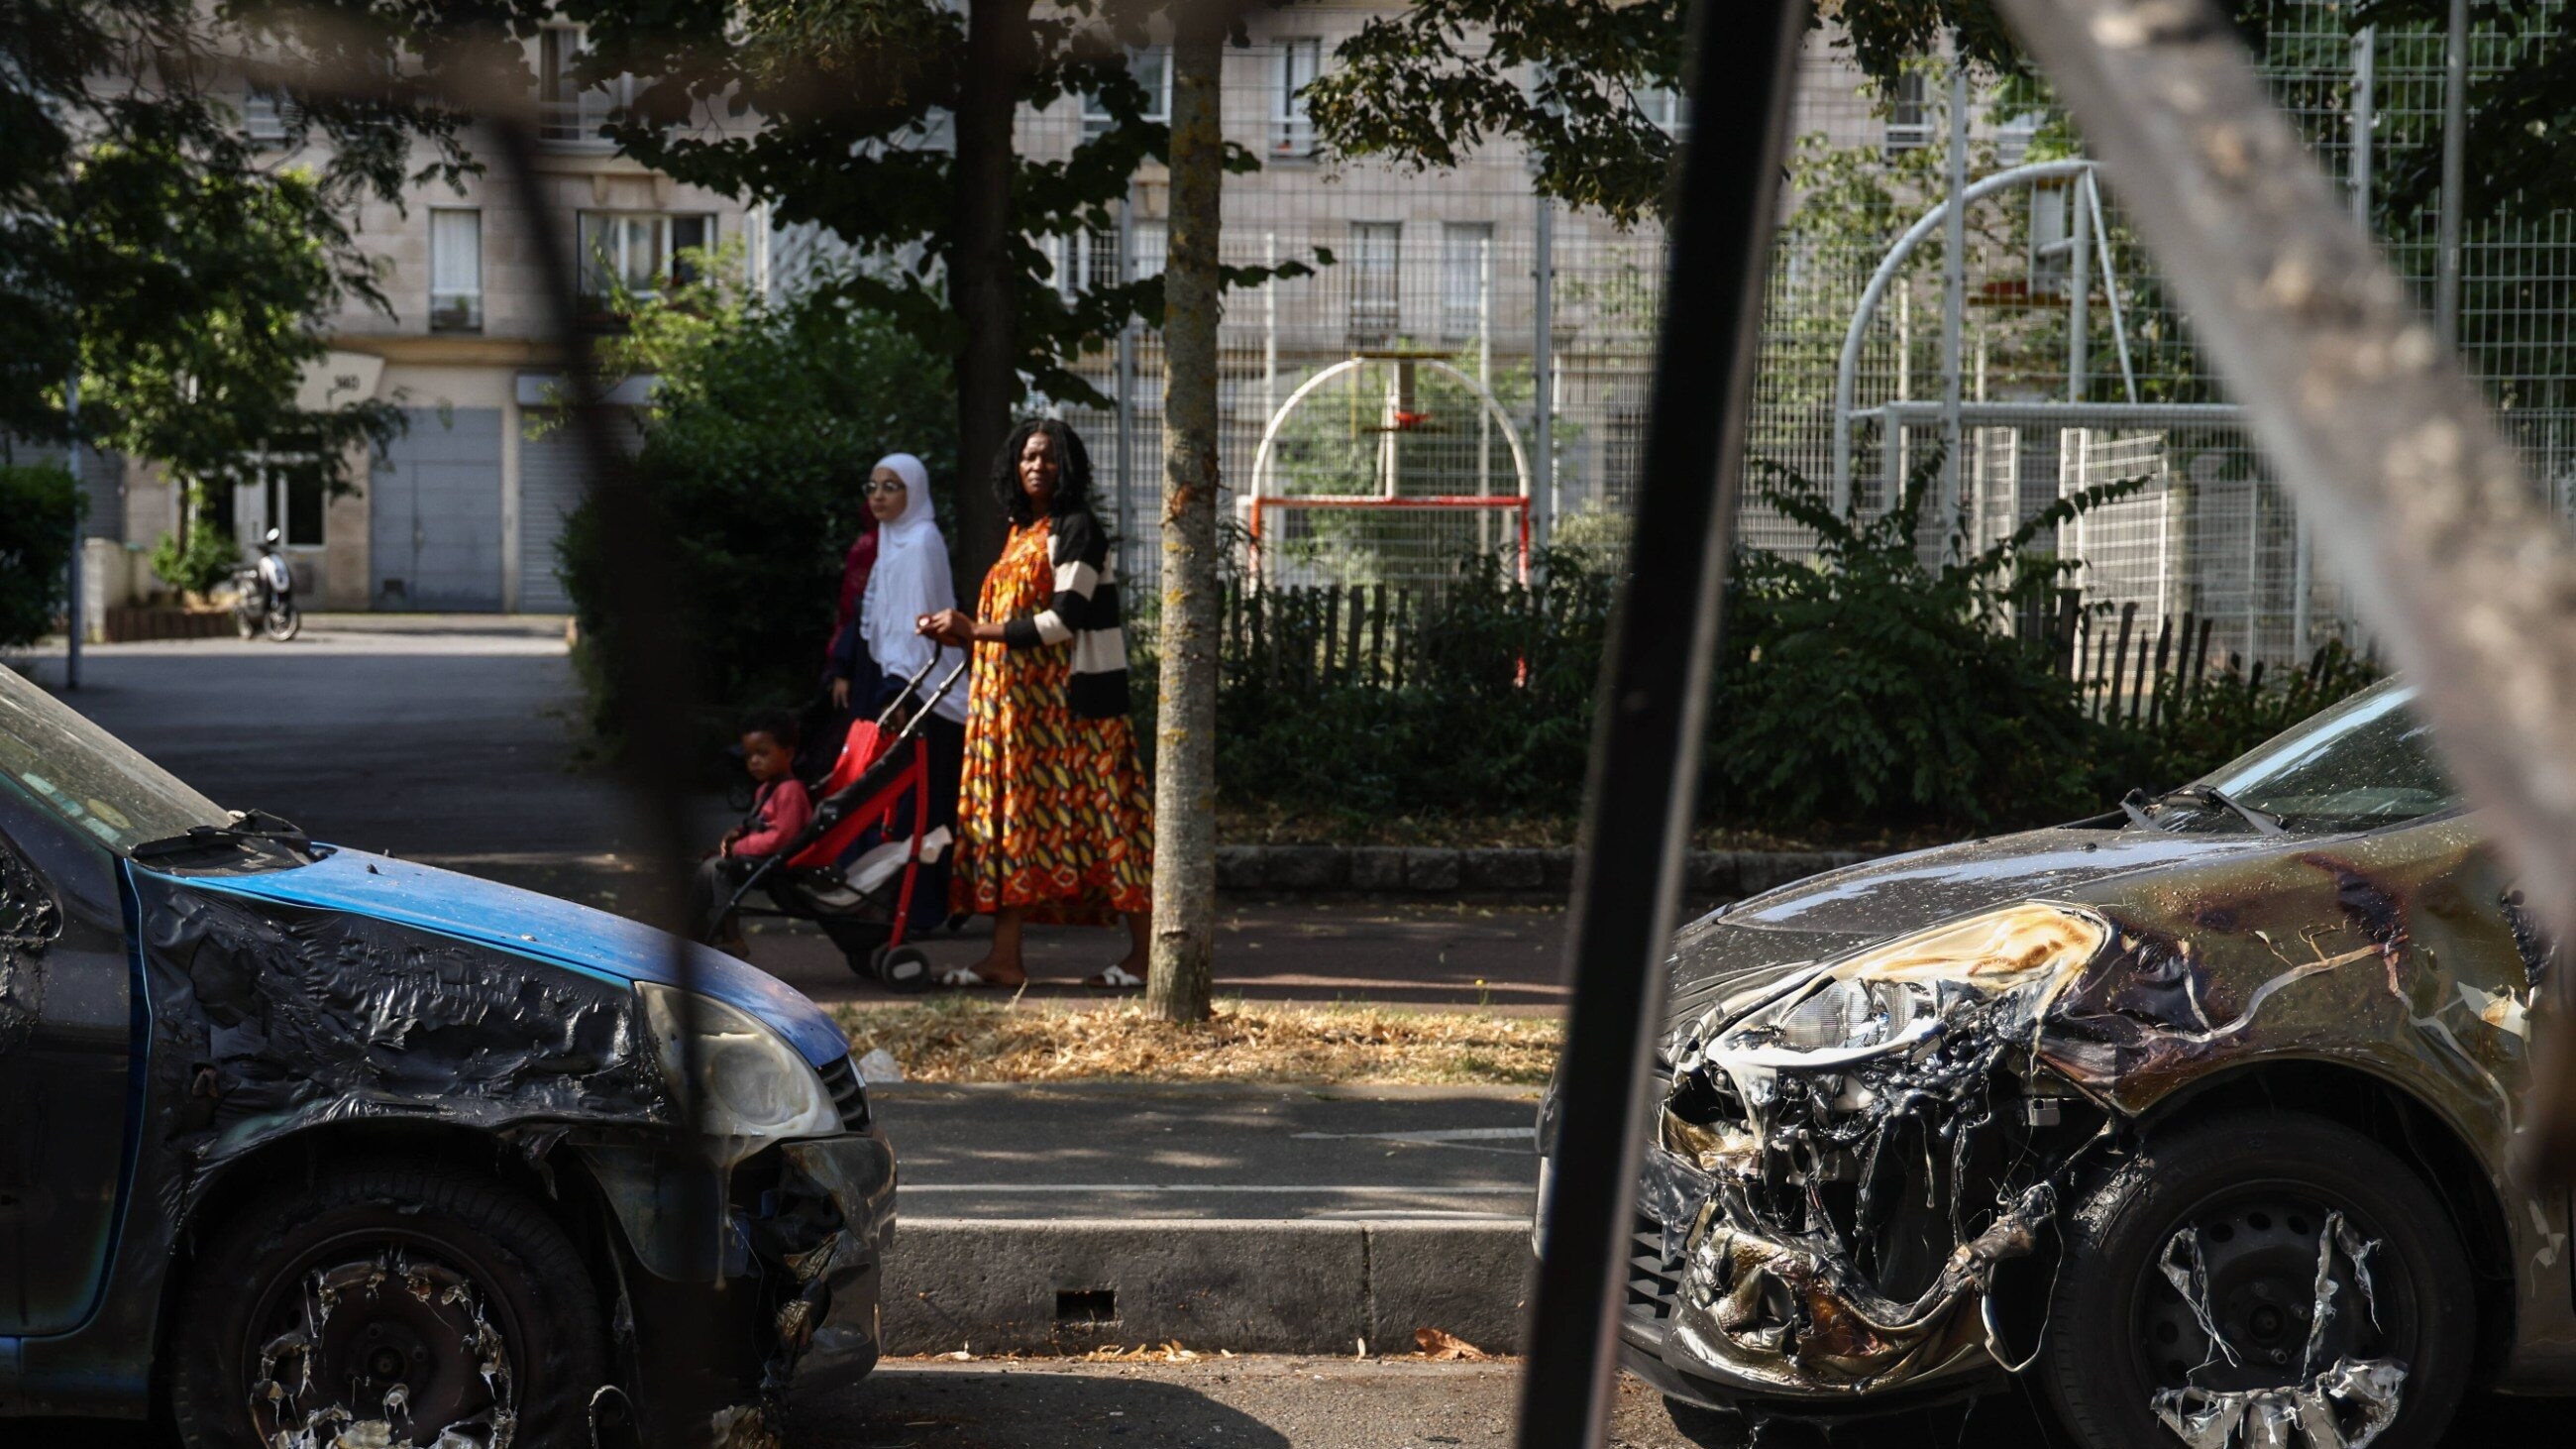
pixel 1085 611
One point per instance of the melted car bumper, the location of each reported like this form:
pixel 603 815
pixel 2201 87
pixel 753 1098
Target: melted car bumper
pixel 805 1229
pixel 1725 1315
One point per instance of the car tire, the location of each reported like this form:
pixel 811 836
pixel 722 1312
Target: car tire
pixel 2255 1191
pixel 489 1256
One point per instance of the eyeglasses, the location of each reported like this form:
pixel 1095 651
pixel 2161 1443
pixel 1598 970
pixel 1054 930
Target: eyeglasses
pixel 872 487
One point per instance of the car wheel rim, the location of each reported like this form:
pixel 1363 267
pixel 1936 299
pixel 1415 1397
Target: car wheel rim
pixel 390 1345
pixel 2227 1324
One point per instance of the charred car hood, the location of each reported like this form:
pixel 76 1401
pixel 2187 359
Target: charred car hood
pixel 540 927
pixel 1754 942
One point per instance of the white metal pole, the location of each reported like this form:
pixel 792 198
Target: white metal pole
pixel 2365 101
pixel 77 616
pixel 1270 328
pixel 1127 392
pixel 2455 171
pixel 1485 380
pixel 1954 281
pixel 1543 369
pixel 2079 297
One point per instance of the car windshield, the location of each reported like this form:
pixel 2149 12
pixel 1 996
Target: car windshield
pixel 2366 760
pixel 88 776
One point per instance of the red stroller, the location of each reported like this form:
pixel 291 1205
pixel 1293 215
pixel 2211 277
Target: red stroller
pixel 865 903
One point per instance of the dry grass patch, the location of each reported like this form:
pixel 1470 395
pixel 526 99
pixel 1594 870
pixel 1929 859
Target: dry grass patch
pixel 965 1039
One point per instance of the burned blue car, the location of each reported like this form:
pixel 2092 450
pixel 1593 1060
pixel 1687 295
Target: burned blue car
pixel 303 1146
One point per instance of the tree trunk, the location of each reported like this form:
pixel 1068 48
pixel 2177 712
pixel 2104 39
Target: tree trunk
pixel 1184 951
pixel 982 286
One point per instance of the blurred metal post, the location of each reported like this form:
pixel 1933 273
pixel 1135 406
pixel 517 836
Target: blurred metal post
pixel 2421 499
pixel 1543 368
pixel 76 617
pixel 1954 291
pixel 660 686
pixel 1644 773
pixel 2455 174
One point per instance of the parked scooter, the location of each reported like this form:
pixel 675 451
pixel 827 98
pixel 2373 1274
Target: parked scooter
pixel 264 595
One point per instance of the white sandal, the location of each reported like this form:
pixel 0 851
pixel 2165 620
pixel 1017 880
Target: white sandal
pixel 962 978
pixel 1117 977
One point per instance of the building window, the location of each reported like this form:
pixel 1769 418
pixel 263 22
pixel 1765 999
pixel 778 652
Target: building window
pixel 1083 262
pixel 636 252
pixel 455 270
pixel 264 117
pixel 1666 107
pixel 1149 241
pixel 1376 266
pixel 1466 278
pixel 1909 113
pixel 1294 64
pixel 569 114
pixel 1152 68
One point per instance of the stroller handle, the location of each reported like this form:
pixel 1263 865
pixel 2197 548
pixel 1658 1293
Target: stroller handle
pixel 912 689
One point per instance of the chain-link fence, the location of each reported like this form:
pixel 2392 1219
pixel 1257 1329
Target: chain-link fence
pixel 1470 341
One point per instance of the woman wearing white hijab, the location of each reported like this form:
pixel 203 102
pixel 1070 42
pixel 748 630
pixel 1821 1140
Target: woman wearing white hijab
pixel 911 578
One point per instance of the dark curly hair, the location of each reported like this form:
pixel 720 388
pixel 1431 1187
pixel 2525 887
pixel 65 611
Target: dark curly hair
pixel 778 724
pixel 1072 472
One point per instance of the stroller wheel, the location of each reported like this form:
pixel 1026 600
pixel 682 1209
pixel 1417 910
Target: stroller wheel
pixel 902 968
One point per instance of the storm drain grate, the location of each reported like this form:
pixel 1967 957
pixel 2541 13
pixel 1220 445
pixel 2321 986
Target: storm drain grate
pixel 1086 1307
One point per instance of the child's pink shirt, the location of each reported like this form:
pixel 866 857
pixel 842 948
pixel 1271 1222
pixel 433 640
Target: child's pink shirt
pixel 779 811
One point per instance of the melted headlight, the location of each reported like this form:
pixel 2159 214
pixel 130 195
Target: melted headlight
pixel 1894 996
pixel 751 1084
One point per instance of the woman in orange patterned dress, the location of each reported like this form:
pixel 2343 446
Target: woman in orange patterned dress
pixel 1055 822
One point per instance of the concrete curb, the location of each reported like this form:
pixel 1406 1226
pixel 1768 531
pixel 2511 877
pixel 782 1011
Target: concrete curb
pixel 1534 874
pixel 1067 1285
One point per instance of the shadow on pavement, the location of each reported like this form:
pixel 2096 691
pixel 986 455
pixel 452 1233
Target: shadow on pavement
pixel 1003 1408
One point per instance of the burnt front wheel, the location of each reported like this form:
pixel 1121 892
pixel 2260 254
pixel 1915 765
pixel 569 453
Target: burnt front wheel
pixel 2256 1278
pixel 392 1304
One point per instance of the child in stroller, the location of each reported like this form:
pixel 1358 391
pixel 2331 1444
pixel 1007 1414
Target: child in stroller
pixel 848 869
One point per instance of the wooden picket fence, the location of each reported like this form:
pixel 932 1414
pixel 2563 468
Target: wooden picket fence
pixel 2136 670
pixel 1322 635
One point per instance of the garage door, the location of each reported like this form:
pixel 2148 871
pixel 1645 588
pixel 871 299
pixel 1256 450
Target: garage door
pixel 550 488
pixel 435 514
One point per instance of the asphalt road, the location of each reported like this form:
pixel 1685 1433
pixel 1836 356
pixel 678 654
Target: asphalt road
pixel 1208 1150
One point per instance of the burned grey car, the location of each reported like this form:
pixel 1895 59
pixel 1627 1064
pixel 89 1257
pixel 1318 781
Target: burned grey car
pixel 2200 1114
pixel 305 1147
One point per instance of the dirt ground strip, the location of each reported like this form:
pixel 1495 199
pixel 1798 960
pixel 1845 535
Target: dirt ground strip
pixel 954 1039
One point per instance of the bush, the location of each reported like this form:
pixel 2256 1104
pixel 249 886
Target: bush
pixel 39 511
pixel 1859 691
pixel 196 563
pixel 1868 686
pixel 1493 716
pixel 754 450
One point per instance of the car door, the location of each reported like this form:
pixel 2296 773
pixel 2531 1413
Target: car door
pixel 66 1044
